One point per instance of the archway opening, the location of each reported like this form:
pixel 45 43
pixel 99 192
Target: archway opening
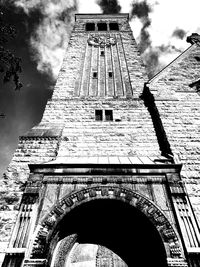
pixel 118 226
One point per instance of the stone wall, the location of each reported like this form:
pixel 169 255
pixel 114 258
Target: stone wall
pixel 130 133
pixel 31 149
pixel 179 107
pixel 68 126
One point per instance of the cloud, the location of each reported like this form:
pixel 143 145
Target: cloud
pixel 141 10
pixel 109 6
pixel 50 37
pixel 156 58
pixel 151 61
pixel 179 33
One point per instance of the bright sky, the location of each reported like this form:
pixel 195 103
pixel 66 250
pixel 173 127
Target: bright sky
pixel 166 16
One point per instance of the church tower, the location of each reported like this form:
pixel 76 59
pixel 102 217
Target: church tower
pixel 102 187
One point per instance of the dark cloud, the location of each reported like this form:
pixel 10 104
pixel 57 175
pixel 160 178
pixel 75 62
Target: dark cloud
pixel 141 10
pixel 179 33
pixel 109 6
pixel 43 28
pixel 145 40
pixel 49 39
pixel 152 57
pixel 151 61
pixel 23 108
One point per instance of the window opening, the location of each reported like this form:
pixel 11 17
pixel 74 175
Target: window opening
pixel 110 74
pixel 102 26
pixel 102 53
pixel 114 26
pixel 98 114
pixel 94 74
pixel 196 86
pixel 108 115
pixel 197 58
pixel 90 26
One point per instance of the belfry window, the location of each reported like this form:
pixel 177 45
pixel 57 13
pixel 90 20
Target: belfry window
pixel 114 26
pixel 110 74
pixel 90 26
pixel 108 115
pixel 102 26
pixel 104 115
pixel 98 114
pixel 195 85
pixel 94 75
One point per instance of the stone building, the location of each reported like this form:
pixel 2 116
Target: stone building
pixel 110 174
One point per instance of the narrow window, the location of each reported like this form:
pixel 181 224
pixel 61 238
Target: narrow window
pixel 98 114
pixel 197 58
pixel 110 74
pixel 94 74
pixel 195 85
pixel 108 115
pixel 114 26
pixel 102 53
pixel 90 26
pixel 102 26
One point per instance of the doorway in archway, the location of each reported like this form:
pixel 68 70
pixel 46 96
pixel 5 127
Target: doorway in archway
pixel 89 255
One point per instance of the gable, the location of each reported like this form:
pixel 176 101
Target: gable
pixel 182 75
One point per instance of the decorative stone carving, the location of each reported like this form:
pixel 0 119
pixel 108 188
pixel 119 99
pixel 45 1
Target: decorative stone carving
pixel 80 196
pixel 92 193
pixel 101 40
pixel 175 250
pixel 35 262
pixel 128 196
pixel 117 192
pixel 135 199
pixel 176 262
pixel 58 210
pixel 29 198
pixel 69 202
pixel 64 249
pixel 40 243
pixel 168 232
pixel 51 220
pixel 104 191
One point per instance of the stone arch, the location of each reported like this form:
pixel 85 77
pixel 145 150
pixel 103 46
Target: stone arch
pixel 135 199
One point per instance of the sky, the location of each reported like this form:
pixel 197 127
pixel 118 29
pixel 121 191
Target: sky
pixel 43 29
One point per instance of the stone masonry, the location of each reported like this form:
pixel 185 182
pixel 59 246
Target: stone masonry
pixel 178 102
pixel 106 134
pixel 68 126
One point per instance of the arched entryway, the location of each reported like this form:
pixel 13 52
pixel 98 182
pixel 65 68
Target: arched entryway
pixel 117 226
pixel 117 218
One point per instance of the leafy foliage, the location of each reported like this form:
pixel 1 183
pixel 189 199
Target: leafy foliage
pixel 9 64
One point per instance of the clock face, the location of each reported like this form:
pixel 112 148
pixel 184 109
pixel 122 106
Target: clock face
pixel 102 41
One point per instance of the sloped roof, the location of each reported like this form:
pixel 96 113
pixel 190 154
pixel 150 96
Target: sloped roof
pixel 165 69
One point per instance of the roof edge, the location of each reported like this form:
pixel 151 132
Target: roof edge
pixel 161 72
pixel 100 15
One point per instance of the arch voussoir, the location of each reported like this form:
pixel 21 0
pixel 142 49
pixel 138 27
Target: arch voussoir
pixel 140 202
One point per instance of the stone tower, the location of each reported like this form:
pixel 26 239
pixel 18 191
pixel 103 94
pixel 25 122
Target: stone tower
pixel 103 188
